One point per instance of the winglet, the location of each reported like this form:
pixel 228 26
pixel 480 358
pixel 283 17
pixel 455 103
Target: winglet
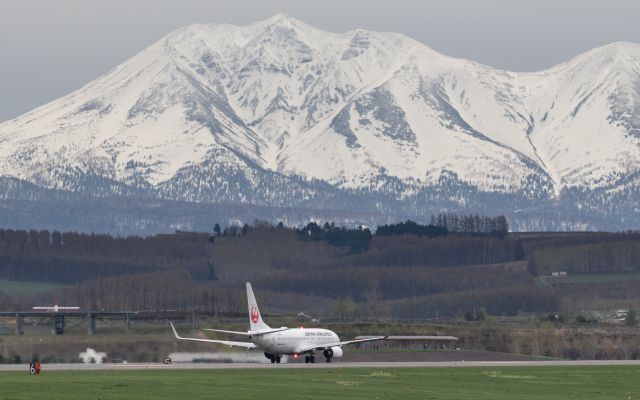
pixel 175 333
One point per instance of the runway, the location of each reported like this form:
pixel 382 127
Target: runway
pixel 214 366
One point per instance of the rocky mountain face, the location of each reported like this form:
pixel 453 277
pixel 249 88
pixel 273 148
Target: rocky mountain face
pixel 362 127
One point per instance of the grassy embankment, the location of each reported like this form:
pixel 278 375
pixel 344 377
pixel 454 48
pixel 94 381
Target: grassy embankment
pixel 11 288
pixel 523 383
pixel 594 278
pixel 153 341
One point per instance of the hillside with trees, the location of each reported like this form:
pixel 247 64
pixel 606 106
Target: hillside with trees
pixel 398 271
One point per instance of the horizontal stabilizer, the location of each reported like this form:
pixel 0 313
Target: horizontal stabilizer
pixel 231 332
pixel 250 333
pixel 265 331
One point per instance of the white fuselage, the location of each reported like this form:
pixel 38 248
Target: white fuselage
pixel 292 340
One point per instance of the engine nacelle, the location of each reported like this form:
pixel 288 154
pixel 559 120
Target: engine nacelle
pixel 334 352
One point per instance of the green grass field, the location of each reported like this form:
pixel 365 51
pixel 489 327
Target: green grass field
pixel 594 278
pixel 584 383
pixel 22 287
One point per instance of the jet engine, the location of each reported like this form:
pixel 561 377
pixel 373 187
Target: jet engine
pixel 335 351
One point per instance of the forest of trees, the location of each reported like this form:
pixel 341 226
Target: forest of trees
pixel 358 240
pixel 411 228
pixel 405 270
pixel 443 223
pixel 449 251
pixel 156 291
pixel 72 257
pixel 474 224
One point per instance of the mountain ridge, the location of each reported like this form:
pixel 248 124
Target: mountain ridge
pixel 212 112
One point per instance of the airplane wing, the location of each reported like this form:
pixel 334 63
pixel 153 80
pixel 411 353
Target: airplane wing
pixel 363 339
pixel 343 343
pixel 246 345
pixel 436 338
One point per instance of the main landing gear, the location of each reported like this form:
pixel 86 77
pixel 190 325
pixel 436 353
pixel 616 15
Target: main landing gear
pixel 310 359
pixel 274 358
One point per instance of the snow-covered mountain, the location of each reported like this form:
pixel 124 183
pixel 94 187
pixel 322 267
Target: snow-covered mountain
pixel 279 113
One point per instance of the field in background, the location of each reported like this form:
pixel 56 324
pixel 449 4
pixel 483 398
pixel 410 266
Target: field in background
pixel 594 278
pixel 9 287
pixel 151 341
pixel 583 383
pixel 491 290
pixel 328 272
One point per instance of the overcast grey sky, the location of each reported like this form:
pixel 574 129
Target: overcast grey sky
pixel 49 48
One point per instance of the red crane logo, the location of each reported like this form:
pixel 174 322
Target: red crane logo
pixel 254 314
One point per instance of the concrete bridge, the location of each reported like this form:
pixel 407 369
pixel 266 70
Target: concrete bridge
pixel 58 318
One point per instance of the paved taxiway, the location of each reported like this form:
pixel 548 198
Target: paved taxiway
pixel 187 366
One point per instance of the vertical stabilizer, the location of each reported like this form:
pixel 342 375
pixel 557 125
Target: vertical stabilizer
pixel 255 318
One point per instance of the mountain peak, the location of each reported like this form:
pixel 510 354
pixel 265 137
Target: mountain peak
pixel 281 19
pixel 285 21
pixel 623 46
pixel 613 51
pixel 216 111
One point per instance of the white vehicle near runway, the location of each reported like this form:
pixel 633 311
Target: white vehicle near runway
pixel 276 342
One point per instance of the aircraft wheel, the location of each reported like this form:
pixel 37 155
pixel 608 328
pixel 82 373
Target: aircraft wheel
pixel 312 359
pixel 307 360
pixel 278 359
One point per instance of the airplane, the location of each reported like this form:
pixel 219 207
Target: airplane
pixel 276 342
pixel 55 308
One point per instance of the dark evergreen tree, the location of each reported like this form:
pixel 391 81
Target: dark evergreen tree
pixel 631 319
pixel 211 273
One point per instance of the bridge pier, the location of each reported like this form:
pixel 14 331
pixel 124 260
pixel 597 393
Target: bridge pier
pixel 58 324
pixel 19 324
pixel 91 324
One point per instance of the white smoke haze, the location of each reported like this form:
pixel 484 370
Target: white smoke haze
pixel 249 357
pixel 90 356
